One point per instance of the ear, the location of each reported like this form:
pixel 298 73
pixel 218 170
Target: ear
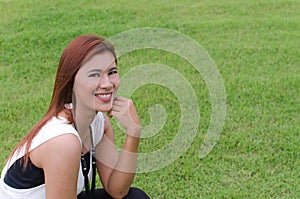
pixel 68 106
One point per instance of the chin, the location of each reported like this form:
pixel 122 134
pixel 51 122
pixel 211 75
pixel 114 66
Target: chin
pixel 104 108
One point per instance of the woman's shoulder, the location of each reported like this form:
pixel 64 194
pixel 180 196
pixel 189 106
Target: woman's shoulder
pixel 63 147
pixel 55 127
pixel 58 123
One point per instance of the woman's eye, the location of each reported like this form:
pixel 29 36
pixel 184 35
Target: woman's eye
pixel 113 72
pixel 94 75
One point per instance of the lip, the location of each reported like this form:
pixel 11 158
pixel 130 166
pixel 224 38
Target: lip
pixel 105 97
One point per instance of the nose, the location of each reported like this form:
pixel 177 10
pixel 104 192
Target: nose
pixel 104 82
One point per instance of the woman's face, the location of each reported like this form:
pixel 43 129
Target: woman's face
pixel 96 83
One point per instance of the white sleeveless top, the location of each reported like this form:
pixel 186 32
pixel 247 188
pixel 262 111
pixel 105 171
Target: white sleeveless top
pixel 53 128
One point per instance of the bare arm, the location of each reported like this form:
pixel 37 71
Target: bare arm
pixel 117 172
pixel 60 159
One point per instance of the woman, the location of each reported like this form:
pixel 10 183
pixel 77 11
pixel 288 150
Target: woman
pixel 61 153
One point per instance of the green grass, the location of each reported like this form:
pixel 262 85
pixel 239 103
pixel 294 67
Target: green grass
pixel 255 45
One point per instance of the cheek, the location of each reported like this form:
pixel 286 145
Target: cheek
pixel 79 92
pixel 85 83
pixel 115 81
pixel 83 88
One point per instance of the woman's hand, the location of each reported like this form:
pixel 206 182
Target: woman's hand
pixel 124 111
pixel 118 177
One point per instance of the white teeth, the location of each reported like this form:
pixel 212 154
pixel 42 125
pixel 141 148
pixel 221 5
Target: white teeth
pixel 105 95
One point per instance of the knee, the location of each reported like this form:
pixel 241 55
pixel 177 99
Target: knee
pixel 137 193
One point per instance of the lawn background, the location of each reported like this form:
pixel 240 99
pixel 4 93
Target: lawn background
pixel 255 45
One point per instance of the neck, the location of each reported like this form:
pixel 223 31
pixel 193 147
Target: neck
pixel 83 119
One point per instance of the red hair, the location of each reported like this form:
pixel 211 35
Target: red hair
pixel 75 54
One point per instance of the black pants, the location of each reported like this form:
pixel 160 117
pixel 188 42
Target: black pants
pixel 134 193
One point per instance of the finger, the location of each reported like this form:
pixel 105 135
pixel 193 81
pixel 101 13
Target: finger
pixel 121 105
pixel 120 98
pixel 118 108
pixel 110 113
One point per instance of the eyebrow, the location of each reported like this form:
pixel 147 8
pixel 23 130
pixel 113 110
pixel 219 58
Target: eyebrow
pixel 99 70
pixel 95 70
pixel 114 68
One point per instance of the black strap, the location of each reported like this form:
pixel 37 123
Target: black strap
pixel 93 165
pixel 89 193
pixel 93 176
pixel 85 173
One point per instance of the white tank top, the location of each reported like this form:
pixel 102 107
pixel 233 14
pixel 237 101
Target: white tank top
pixel 53 128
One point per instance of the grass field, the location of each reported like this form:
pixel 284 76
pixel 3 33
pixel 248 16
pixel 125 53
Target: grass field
pixel 254 44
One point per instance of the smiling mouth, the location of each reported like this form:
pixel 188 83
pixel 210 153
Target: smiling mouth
pixel 105 97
